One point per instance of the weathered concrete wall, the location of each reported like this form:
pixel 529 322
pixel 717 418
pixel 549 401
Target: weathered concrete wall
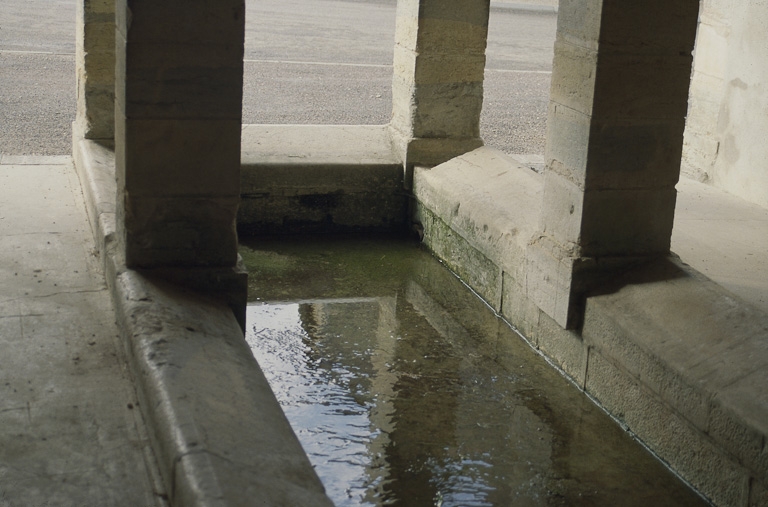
pixel 728 111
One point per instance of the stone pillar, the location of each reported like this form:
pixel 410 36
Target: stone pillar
pixel 615 130
pixel 437 88
pixel 177 131
pixel 178 109
pixel 95 61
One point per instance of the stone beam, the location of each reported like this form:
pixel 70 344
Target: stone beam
pixel 437 87
pixel 617 111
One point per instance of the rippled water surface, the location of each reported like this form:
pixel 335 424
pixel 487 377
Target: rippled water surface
pixel 405 389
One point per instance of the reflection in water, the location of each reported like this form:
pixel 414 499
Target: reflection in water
pixel 405 389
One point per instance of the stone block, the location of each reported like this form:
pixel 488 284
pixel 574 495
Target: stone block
pixel 334 212
pixel 628 154
pixel 686 449
pixel 711 51
pixel 627 222
pixel 180 157
pixel 574 73
pixel 567 146
pixel 444 26
pixel 650 27
pixel 97 36
pixel 431 151
pixel 206 23
pixel 178 232
pixel 465 11
pixel 671 311
pixel 432 69
pixel 98 66
pixel 745 443
pixel 518 309
pixel 489 200
pixel 561 211
pixel 403 108
pixel 178 81
pixel 407 24
pixel 404 67
pixel 578 22
pixel 474 268
pixel 638 86
pixel 739 421
pixel 441 35
pixel 447 110
pixel 96 113
pixel 563 347
pixel 99 7
pixel 615 341
pixel 549 277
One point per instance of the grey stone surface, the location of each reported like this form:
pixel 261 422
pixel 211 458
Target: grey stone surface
pixel 724 237
pixel 71 432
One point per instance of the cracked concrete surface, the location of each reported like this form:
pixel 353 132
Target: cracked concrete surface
pixel 71 433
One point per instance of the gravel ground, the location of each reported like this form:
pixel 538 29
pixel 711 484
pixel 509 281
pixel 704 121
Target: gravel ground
pixel 316 68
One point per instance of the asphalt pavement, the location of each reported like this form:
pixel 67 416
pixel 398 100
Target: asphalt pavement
pixel 306 61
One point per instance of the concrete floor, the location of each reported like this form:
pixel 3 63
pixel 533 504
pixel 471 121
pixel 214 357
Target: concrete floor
pixel 725 238
pixel 71 433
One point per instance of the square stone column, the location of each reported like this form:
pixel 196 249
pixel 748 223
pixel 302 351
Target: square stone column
pixel 177 131
pixel 437 87
pixel 615 131
pixel 95 63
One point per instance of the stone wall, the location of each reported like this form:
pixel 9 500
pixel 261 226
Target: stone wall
pixel 728 109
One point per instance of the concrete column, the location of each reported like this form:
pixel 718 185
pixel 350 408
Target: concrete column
pixel 177 131
pixel 95 63
pixel 615 130
pixel 437 88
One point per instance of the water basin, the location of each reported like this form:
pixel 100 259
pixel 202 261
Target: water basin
pixel 405 389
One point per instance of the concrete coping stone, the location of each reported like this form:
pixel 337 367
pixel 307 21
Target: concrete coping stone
pixel 491 199
pixel 219 434
pixel 317 146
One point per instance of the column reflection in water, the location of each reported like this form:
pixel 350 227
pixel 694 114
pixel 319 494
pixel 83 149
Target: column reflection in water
pixel 404 388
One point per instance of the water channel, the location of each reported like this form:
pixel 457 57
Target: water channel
pixel 405 389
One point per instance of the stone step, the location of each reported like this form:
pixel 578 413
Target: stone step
pixel 320 178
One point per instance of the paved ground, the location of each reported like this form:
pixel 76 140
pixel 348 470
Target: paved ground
pixel 725 238
pixel 305 63
pixel 71 433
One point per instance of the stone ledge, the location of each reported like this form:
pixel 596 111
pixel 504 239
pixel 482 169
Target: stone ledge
pixel 676 358
pixel 700 350
pixel 320 178
pixel 219 434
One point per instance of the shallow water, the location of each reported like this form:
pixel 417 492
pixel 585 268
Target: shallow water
pixel 405 389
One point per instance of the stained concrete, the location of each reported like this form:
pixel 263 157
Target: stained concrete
pixel 71 432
